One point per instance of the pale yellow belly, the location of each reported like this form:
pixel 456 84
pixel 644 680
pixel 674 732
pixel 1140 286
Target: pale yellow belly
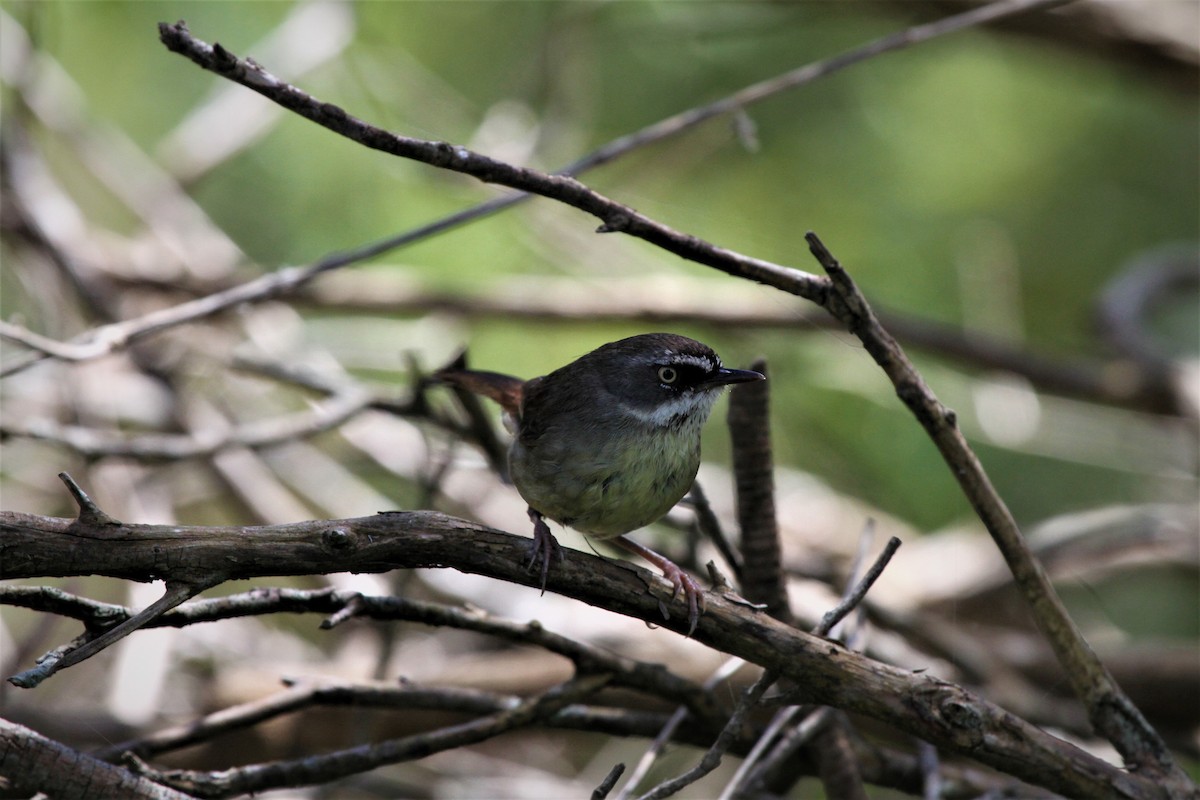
pixel 608 490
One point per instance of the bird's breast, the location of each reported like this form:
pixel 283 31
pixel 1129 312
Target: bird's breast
pixel 606 481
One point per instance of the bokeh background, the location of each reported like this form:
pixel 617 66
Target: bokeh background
pixel 989 186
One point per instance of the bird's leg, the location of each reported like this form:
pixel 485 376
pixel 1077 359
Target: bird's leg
pixel 682 581
pixel 545 547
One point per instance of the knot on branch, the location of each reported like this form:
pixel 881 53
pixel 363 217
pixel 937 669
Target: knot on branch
pixel 333 112
pixel 337 540
pixel 614 223
pixel 1118 718
pixel 223 60
pixel 955 713
pixel 963 715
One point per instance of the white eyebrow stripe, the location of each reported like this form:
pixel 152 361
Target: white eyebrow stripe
pixel 703 362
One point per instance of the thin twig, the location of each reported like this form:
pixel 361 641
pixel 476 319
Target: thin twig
pixel 96 442
pixel 723 673
pixel 339 764
pixel 712 757
pixel 89 512
pixel 858 590
pixel 709 527
pixel 89 644
pixel 325 692
pixel 760 760
pixel 757 761
pixel 610 780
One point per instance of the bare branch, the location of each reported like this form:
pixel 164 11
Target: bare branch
pixel 753 470
pixel 94 442
pixel 836 764
pixel 1108 708
pixel 710 528
pixel 820 722
pixel 712 757
pixel 311 693
pixel 37 765
pixel 856 592
pixel 650 678
pixel 1122 383
pixel 941 713
pixel 90 644
pixel 724 672
pixel 613 216
pixel 610 780
pixel 343 763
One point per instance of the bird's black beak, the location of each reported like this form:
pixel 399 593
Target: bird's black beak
pixel 725 376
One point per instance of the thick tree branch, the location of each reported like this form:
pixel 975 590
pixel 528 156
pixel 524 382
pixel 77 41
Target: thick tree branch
pixel 941 713
pixel 32 763
pixel 881 766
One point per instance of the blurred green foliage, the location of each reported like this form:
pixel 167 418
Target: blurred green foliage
pixel 985 179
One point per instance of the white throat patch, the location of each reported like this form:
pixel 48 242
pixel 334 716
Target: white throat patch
pixel 692 405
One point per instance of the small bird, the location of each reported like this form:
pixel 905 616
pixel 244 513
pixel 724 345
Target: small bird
pixel 610 442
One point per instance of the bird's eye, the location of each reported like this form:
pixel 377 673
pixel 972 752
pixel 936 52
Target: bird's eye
pixel 668 374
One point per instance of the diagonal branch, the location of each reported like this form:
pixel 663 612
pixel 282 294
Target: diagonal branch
pixel 1109 709
pixel 614 216
pixel 89 644
pixel 108 338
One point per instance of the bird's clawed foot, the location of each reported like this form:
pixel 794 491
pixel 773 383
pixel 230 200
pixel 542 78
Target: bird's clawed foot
pixel 545 547
pixel 681 581
pixel 689 587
